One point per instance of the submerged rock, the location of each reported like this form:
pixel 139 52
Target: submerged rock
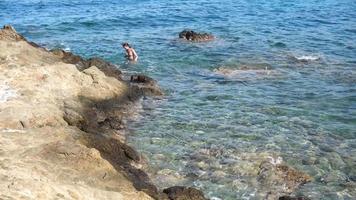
pixel 292 198
pixel 184 193
pixel 280 179
pixel 247 72
pixel 195 36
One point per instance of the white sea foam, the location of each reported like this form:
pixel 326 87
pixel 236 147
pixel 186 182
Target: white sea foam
pixel 6 93
pixel 307 58
pixel 275 161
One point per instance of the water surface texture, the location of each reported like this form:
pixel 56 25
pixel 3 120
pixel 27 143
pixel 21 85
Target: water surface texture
pixel 279 82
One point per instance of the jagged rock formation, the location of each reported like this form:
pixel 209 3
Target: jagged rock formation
pixel 195 36
pixel 82 64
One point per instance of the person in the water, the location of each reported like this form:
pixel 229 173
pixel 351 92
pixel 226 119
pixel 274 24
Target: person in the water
pixel 130 52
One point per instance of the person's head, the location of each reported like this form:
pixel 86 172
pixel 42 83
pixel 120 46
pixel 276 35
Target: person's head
pixel 126 45
pixel 189 35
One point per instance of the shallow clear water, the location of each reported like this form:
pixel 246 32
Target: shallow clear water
pixel 214 127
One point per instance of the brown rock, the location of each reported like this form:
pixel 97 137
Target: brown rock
pixel 184 193
pixel 195 36
pixel 107 68
pixel 293 176
pixel 144 86
pixel 142 79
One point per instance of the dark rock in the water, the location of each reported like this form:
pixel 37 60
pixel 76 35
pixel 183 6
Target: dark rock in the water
pixel 196 37
pixel 142 79
pixel 142 182
pixel 292 198
pixel 183 193
pixel 142 85
pixel 352 178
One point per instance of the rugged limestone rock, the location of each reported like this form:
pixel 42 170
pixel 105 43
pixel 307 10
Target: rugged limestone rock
pixel 106 67
pixel 141 85
pixel 9 33
pixel 195 36
pixel 184 193
pixel 82 64
pixel 68 57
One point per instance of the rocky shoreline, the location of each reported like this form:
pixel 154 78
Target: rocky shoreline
pixel 61 130
pixel 62 122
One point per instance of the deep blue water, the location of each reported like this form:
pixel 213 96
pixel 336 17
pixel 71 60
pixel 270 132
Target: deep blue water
pixel 303 112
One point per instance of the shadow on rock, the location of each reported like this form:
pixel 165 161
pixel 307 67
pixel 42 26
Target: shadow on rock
pixel 82 64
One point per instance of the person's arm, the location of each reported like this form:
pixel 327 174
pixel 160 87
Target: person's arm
pixel 135 56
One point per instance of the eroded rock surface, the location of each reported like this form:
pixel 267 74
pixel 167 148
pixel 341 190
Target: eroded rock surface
pixel 82 64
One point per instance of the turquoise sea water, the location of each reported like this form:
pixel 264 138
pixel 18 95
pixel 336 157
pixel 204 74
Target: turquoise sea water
pixel 218 122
